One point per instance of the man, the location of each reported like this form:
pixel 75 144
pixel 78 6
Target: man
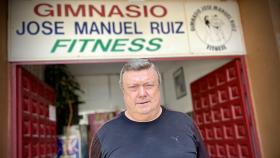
pixel 146 129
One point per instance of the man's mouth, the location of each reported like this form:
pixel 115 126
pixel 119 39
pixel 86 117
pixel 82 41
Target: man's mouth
pixel 144 102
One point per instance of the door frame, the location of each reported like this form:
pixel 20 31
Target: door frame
pixel 13 102
pixel 250 110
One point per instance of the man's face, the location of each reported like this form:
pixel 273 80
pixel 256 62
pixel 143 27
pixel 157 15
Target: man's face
pixel 141 92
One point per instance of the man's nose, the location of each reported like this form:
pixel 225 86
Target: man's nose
pixel 142 91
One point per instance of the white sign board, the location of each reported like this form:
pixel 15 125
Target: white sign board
pixel 87 30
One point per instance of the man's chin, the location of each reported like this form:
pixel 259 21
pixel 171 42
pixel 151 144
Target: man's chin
pixel 143 108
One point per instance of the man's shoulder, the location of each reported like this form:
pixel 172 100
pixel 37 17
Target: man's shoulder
pixel 178 115
pixel 112 124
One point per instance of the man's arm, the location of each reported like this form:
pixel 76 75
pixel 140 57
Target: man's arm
pixel 201 149
pixel 95 148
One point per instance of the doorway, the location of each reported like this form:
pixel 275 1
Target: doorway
pixel 100 82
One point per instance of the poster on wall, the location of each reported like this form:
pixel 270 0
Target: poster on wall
pixel 179 83
pixel 90 30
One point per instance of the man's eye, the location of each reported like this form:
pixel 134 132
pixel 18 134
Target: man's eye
pixel 149 86
pixel 132 87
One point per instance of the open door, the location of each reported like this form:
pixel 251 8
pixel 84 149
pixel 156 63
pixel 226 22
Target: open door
pixel 221 112
pixel 36 132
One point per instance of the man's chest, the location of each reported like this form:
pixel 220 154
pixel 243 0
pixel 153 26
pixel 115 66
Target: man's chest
pixel 151 146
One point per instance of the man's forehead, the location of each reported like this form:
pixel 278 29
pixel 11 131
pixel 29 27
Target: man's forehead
pixel 145 74
pixel 142 71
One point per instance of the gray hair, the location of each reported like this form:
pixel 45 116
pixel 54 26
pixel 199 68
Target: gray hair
pixel 137 65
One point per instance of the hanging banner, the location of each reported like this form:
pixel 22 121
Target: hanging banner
pixel 88 30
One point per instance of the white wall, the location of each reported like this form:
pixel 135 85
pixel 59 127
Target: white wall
pixel 102 93
pixel 192 71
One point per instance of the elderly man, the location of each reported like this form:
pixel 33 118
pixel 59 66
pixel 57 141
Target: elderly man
pixel 146 129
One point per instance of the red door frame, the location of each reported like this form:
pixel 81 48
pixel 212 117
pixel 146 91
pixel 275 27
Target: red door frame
pixel 12 95
pixel 250 110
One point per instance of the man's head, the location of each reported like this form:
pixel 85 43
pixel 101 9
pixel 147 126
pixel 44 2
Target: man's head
pixel 137 65
pixel 140 83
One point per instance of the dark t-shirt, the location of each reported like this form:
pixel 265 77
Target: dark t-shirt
pixel 172 135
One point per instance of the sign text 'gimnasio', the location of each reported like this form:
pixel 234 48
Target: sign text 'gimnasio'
pixel 69 30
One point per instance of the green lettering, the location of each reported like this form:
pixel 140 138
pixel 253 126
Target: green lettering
pixel 85 42
pixel 100 43
pixel 117 44
pixel 71 46
pixel 156 43
pixel 58 43
pixel 137 45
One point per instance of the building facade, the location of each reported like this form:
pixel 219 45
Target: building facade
pixel 261 29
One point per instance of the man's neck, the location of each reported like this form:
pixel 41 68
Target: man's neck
pixel 144 117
